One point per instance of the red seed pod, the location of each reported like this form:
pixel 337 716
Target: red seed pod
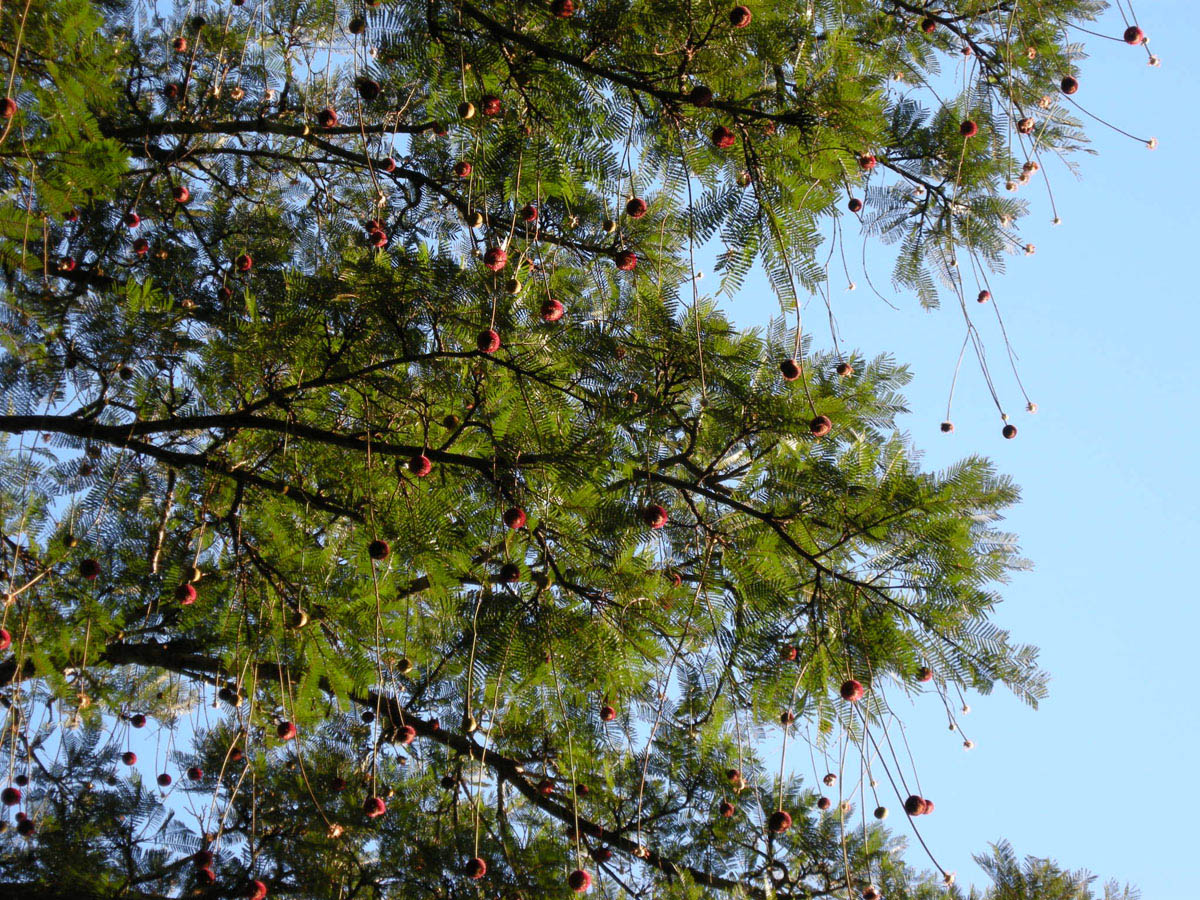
pixel 626 260
pixel 185 594
pixel 929 26
pixel 551 311
pixel 855 205
pixel 969 128
pixel 514 517
pixel 420 465
pixel 406 734
pixel 779 822
pixel 607 713
pixel 374 807
pixel 181 194
pixel 635 208
pixel 285 731
pixel 851 690
pixel 1069 84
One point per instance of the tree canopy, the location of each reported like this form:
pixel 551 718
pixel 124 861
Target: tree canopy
pixel 388 513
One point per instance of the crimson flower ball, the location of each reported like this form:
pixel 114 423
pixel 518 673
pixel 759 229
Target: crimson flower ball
pixel 181 194
pixel 789 369
pixel 420 465
pixel 947 427
pixel 129 757
pixel 185 594
pixel 701 95
pixel 968 128
pixel 551 311
pixel 1010 431
pixel 476 868
pixel 195 773
pixel 256 890
pixel 579 881
pixel 1069 85
pixel 789 652
pixel 726 809
pixel 8 108
pixel 924 674
pixel 5 639
pixel 654 515
pixel 369 89
pixel 820 426
pixel 510 572
pixel 132 220
pixel 378 549
pixel 851 691
pixel 285 731
pixel 327 118
pixel 1134 36
pixel 626 260
pixel 462 168
pixel 739 16
pixel 495 258
pixel 374 807
pixel 89 569
pixel 635 208
pixel 164 780
pixel 607 714
pixel 488 341
pixel 137 720
pixel 514 517
pixel 406 734
pixel 1026 125
pixel 244 262
pixel 562 9
pixel 824 803
pixel 779 822
pixel 10 796
pixel 723 138
pixel 490 105
pixel 867 162
pixel 855 205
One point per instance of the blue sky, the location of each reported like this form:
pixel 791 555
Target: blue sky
pixel 1102 775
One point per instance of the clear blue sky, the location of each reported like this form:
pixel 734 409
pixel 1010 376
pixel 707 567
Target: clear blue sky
pixel 1106 321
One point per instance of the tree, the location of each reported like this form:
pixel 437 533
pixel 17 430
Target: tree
pixel 382 487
